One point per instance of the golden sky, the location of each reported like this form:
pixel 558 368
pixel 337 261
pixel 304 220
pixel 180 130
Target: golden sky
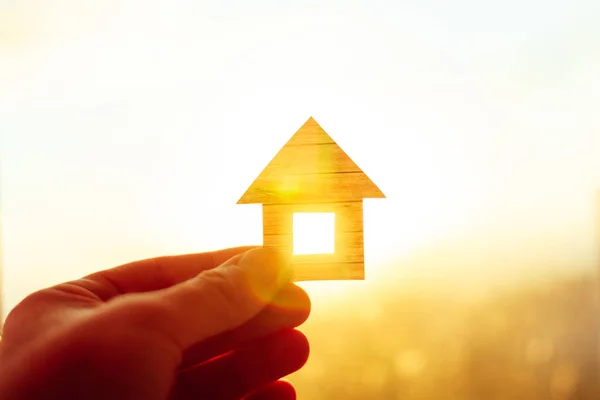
pixel 130 128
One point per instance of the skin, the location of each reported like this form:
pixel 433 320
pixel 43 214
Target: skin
pixel 217 325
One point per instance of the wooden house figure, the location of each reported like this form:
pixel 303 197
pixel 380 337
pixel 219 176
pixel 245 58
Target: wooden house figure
pixel 311 179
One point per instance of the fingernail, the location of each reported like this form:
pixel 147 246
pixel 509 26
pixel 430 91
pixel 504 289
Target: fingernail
pixel 264 266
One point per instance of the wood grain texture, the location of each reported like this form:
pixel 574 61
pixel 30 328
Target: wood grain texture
pixel 311 174
pixel 312 188
pixel 339 271
pixel 310 159
pixel 348 231
pixel 310 167
pixel 351 251
pixel 277 218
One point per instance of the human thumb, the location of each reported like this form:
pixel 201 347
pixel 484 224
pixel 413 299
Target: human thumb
pixel 216 300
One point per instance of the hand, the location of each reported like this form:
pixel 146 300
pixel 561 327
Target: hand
pixel 152 329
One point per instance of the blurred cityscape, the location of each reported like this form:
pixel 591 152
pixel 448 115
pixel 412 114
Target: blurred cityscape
pixel 530 343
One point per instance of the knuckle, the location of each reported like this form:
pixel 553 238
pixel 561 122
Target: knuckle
pixel 33 302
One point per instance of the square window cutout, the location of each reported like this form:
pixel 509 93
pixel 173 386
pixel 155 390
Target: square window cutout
pixel 314 233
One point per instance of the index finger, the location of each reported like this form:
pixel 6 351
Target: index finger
pixel 155 273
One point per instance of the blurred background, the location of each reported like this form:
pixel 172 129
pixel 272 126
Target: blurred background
pixel 129 129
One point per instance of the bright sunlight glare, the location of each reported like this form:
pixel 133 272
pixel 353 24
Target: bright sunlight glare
pixel 314 233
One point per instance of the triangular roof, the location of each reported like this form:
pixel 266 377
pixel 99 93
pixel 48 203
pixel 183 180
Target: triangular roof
pixel 310 168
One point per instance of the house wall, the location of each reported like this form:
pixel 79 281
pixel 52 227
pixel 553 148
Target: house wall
pixel 348 260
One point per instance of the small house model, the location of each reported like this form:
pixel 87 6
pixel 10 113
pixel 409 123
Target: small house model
pixel 310 180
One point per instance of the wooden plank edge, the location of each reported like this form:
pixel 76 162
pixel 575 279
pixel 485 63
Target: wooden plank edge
pixel 327 272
